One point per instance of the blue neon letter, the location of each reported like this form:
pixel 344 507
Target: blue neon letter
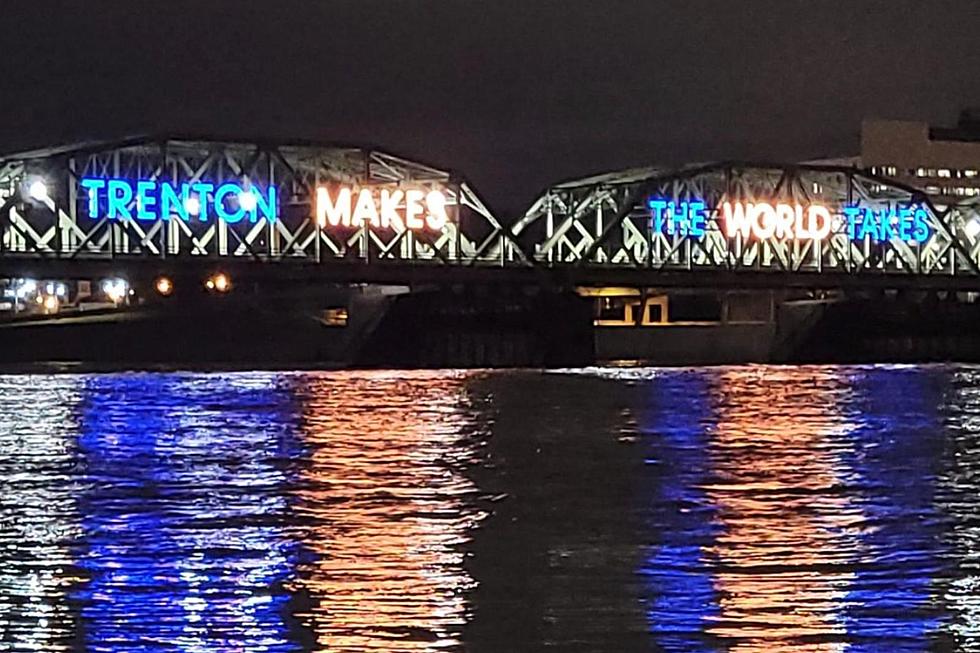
pixel 219 203
pixel 697 218
pixel 202 191
pixel 852 213
pixel 672 218
pixel 120 195
pixel 92 187
pixel 145 200
pixel 920 230
pixel 267 206
pixel 905 223
pixel 869 225
pixel 657 206
pixel 171 203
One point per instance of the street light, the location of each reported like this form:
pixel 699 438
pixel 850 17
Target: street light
pixel 164 286
pixel 192 205
pixel 115 289
pixel 246 200
pixel 37 190
pixel 219 282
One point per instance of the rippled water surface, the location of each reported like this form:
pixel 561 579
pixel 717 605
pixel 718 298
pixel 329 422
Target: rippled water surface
pixel 721 509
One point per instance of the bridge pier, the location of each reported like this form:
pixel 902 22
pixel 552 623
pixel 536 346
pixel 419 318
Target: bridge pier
pixel 319 326
pixel 482 326
pixel 699 327
pixel 284 324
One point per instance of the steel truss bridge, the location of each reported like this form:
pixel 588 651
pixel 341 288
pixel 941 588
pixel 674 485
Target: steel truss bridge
pixel 596 230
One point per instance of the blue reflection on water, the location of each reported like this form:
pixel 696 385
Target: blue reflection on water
pixel 682 599
pixel 896 455
pixel 183 542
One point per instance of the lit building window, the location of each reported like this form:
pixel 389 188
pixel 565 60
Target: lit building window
pixel 969 173
pixel 920 172
pixel 944 172
pixel 934 190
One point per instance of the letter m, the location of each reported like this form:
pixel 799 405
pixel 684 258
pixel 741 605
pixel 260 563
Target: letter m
pixel 330 212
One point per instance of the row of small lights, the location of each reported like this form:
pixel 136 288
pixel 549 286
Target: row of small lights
pixel 220 282
pixel 52 293
pixel 37 190
pixel 117 289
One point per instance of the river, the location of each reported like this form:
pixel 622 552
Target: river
pixel 749 508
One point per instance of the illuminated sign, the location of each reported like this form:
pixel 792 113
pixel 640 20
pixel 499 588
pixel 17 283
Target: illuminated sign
pixel 149 200
pixel 385 208
pixel 905 223
pixel 765 221
pixel 683 218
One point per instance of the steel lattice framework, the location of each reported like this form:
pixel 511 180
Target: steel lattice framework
pixel 603 222
pixel 575 229
pixel 57 229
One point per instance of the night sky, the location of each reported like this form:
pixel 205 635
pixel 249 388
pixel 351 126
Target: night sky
pixel 514 94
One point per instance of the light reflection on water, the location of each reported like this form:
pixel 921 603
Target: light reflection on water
pixel 386 511
pixel 736 509
pixel 39 513
pixel 183 519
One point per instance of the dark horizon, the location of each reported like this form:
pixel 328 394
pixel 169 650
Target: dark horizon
pixel 513 97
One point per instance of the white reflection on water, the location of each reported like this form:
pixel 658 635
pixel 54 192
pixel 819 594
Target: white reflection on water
pixel 958 498
pixel 39 517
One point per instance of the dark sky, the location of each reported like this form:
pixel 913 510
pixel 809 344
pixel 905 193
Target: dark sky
pixel 512 93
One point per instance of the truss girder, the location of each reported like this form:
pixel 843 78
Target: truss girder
pixel 600 222
pixel 604 222
pixel 57 227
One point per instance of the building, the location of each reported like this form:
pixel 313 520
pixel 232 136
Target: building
pixel 943 161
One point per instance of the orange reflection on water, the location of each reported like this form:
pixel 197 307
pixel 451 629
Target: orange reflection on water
pixel 783 549
pixel 389 509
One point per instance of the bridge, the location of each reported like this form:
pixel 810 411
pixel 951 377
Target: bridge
pixel 722 261
pixel 185 206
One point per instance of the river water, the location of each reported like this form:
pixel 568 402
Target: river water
pixel 717 509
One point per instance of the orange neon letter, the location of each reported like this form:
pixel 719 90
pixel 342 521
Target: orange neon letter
pixel 330 212
pixel 414 209
pixel 437 217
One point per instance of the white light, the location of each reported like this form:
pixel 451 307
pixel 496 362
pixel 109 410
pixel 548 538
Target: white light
pixel 192 205
pixel 38 190
pixel 972 228
pixel 25 287
pixel 246 200
pixel 115 289
pixel 61 290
